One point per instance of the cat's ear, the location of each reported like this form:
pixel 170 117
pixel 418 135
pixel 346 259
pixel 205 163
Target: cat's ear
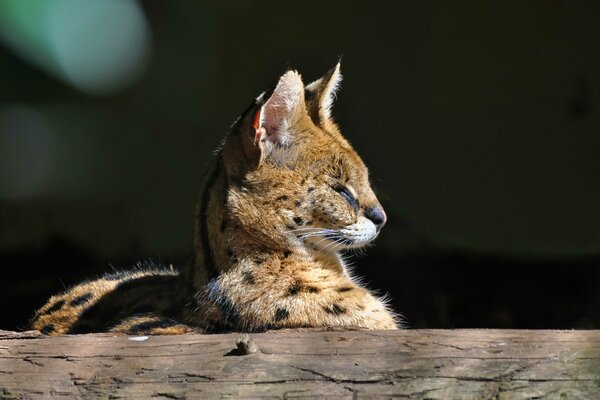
pixel 321 94
pixel 280 110
pixel 266 127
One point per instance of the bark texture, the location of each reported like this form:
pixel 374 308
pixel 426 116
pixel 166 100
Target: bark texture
pixel 419 364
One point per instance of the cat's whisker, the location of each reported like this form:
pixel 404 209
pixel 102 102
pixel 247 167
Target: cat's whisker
pixel 308 229
pixel 320 241
pixel 317 245
pixel 314 234
pixel 330 246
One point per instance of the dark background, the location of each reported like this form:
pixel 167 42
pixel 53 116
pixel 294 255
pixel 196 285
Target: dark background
pixel 480 124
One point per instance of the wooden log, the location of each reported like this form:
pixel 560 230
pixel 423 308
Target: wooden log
pixel 350 364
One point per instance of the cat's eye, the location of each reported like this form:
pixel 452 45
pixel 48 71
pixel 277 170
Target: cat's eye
pixel 347 195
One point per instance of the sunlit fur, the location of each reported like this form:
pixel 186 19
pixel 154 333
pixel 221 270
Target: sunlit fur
pixel 283 199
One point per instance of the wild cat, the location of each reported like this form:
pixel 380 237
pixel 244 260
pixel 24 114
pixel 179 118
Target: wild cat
pixel 285 195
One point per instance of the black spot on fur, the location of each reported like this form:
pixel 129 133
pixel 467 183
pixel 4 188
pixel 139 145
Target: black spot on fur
pixel 259 259
pixel 309 95
pixel 298 220
pixel 232 257
pixel 287 253
pixel 281 314
pixel 344 289
pixel 310 189
pixel 56 306
pixel 298 203
pixel 312 289
pixel 294 289
pixel 335 309
pixel 84 298
pixel 282 198
pixel 48 329
pixel 249 278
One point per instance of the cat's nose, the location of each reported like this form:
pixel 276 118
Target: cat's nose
pixel 376 215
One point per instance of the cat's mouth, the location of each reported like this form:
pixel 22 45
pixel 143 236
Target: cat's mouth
pixel 353 236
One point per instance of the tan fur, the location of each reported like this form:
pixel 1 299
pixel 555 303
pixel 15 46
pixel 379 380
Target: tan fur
pixel 280 203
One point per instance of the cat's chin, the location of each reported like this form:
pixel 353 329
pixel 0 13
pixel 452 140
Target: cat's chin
pixel 360 234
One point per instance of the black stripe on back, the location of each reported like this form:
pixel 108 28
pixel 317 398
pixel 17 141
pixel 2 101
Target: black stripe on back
pixel 209 261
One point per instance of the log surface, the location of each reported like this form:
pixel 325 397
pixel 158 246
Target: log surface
pixel 427 364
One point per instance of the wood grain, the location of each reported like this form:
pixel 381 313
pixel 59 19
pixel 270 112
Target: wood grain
pixel 419 364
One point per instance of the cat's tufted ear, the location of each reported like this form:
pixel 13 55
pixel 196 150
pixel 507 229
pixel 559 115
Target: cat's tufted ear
pixel 279 111
pixel 321 93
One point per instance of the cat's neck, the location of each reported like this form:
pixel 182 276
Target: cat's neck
pixel 220 241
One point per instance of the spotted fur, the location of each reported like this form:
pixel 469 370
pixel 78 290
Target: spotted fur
pixel 285 196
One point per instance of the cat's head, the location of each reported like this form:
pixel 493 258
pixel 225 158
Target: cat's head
pixel 294 173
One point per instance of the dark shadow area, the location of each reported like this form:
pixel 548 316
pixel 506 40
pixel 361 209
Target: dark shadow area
pixel 30 276
pixel 466 290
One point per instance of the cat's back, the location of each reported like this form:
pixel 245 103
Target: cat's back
pixel 101 304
